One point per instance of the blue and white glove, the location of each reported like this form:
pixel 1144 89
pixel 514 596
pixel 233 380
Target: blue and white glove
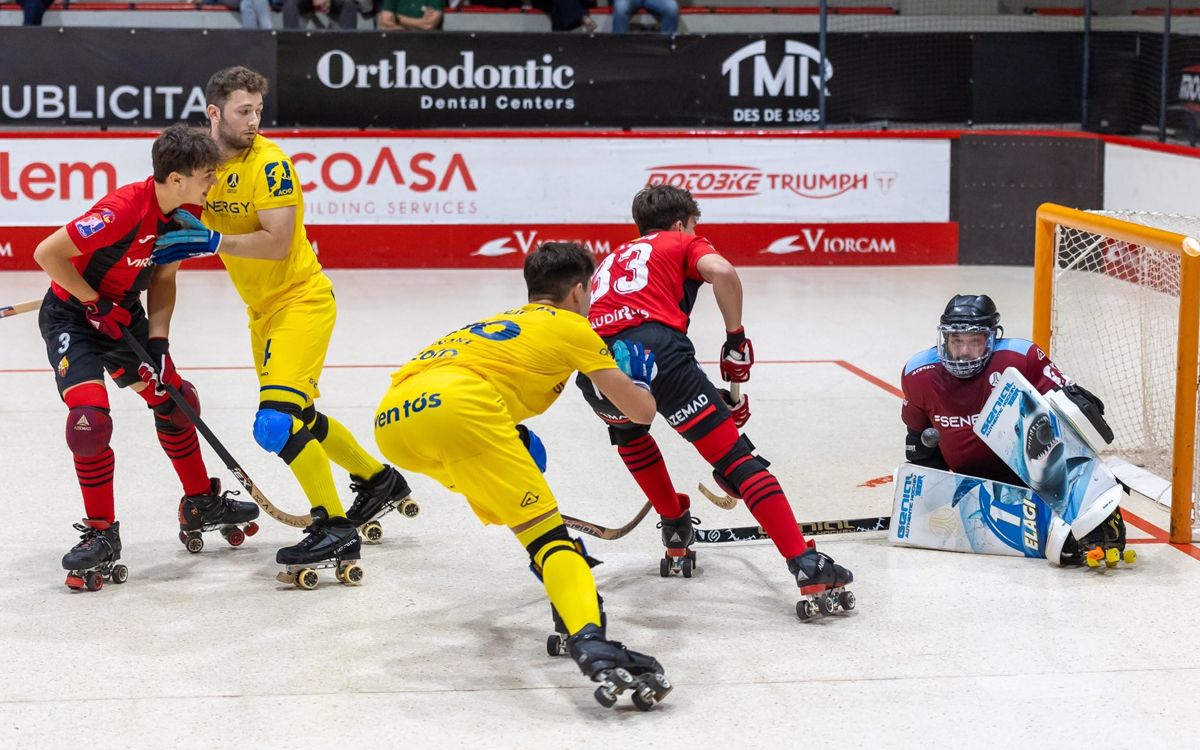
pixel 194 240
pixel 534 445
pixel 635 361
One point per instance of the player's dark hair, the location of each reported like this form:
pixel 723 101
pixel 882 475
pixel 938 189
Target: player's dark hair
pixel 555 268
pixel 660 206
pixel 184 149
pixel 223 83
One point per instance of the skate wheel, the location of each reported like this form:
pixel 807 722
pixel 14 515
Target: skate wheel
pixel 846 599
pixel 372 532
pixel 685 567
pixel 410 508
pixel 94 581
pixel 622 678
pixel 805 610
pixel 251 529
pixel 660 685
pixel 691 555
pixel 664 567
pixel 235 537
pixel 183 537
pixel 643 699
pixel 554 644
pixel 194 543
pixel 351 575
pixel 120 574
pixel 605 696
pixel 1112 556
pixel 1129 556
pixel 74 581
pixel 826 604
pixel 307 579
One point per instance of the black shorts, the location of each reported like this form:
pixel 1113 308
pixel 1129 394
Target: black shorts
pixel 79 353
pixel 686 398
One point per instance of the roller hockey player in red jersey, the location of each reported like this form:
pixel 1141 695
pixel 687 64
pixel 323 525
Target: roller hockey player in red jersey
pixel 642 295
pixel 945 388
pixel 99 264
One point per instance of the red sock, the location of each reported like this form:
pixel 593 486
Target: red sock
pixel 645 463
pixel 182 447
pixel 760 491
pixel 95 473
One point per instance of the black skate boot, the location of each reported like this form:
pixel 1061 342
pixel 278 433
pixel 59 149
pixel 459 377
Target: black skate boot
pixel 678 535
pixel 556 642
pixel 95 557
pixel 617 669
pixel 1106 543
pixel 378 496
pixel 822 583
pixel 213 511
pixel 328 543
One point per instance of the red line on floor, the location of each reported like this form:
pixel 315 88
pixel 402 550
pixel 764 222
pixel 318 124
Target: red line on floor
pixel 870 378
pixel 1158 534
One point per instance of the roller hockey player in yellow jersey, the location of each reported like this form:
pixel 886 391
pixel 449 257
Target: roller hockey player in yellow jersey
pixel 454 411
pixel 254 217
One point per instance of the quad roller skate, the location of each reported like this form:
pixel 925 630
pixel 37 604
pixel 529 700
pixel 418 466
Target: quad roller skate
pixel 618 670
pixel 556 642
pixel 328 543
pixel 822 583
pixel 95 557
pixel 678 535
pixel 1106 544
pixel 215 511
pixel 378 496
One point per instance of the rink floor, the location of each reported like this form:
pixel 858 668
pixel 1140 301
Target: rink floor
pixel 444 643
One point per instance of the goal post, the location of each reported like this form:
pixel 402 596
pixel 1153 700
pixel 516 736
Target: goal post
pixel 1116 304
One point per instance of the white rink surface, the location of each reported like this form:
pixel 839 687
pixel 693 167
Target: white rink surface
pixel 443 645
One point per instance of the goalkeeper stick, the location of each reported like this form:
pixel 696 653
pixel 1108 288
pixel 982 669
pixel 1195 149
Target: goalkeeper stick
pixel 808 528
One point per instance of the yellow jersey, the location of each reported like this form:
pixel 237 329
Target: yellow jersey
pixel 526 354
pixel 260 178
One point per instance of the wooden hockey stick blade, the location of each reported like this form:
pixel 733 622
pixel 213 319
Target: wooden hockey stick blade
pixel 230 462
pixel 808 528
pixel 721 501
pixel 602 532
pixel 20 307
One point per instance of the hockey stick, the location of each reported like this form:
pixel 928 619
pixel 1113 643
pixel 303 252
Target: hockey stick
pixel 20 307
pixel 724 501
pixel 231 463
pixel 808 528
pixel 603 532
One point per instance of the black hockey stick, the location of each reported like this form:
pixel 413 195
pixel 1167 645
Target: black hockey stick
pixel 603 532
pixel 808 528
pixel 20 307
pixel 231 463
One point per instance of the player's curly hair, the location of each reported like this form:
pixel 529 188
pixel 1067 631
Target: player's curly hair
pixel 224 82
pixel 660 206
pixel 555 268
pixel 184 149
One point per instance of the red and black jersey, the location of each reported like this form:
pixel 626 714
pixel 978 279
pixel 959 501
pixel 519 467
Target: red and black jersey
pixel 116 237
pixel 652 278
pixel 934 397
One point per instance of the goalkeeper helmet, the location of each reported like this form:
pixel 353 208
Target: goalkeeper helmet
pixel 967 334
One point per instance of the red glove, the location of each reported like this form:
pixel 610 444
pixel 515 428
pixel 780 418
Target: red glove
pixel 106 317
pixel 740 409
pixel 737 355
pixel 163 371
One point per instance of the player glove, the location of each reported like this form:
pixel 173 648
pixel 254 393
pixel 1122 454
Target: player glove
pixel 740 408
pixel 106 317
pixel 533 443
pixel 194 240
pixel 163 371
pixel 636 362
pixel 737 355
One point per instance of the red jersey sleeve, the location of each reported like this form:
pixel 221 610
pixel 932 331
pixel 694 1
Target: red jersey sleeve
pixel 1041 372
pixel 104 223
pixel 696 249
pixel 911 411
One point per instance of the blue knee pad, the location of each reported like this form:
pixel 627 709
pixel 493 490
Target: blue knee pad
pixel 272 429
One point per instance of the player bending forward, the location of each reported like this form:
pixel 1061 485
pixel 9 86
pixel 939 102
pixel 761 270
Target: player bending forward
pixel 642 295
pixel 946 386
pixel 99 265
pixel 453 411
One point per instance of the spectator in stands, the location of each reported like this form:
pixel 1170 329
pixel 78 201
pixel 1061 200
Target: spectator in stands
pixel 568 15
pixel 411 15
pixel 34 10
pixel 298 14
pixel 256 14
pixel 666 11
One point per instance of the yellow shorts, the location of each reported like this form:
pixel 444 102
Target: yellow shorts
pixel 290 340
pixel 449 424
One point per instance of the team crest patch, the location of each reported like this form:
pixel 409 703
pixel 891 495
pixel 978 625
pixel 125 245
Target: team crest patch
pixel 63 366
pixel 231 181
pixel 94 222
pixel 279 178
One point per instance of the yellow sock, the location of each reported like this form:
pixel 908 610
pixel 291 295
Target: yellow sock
pixel 345 451
pixel 566 576
pixel 312 471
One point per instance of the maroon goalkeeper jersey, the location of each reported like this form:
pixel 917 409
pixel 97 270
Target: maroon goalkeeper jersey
pixel 116 237
pixel 653 278
pixel 934 397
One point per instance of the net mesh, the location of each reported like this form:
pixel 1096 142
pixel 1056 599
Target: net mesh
pixel 1114 329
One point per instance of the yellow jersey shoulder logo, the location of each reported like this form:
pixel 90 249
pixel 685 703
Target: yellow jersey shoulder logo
pixel 279 178
pixel 231 182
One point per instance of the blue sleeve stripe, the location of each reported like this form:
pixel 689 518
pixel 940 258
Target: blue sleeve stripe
pixel 1020 346
pixel 920 359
